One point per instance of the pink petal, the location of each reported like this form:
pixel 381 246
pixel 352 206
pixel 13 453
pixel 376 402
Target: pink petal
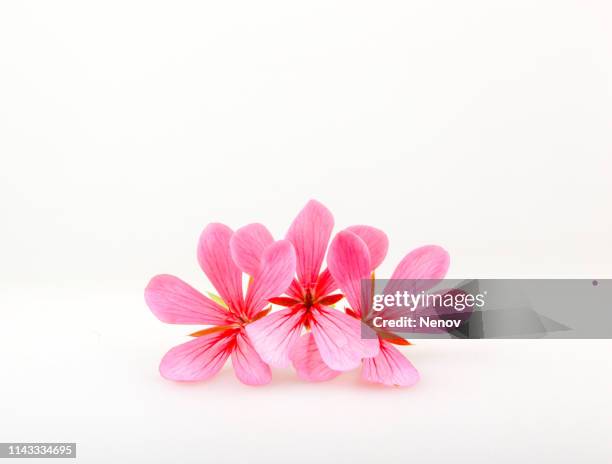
pixel 295 290
pixel 309 233
pixel 273 277
pixel 175 302
pixel 308 363
pixel 338 337
pixel 247 246
pixel 428 263
pixel 198 359
pixel 371 345
pixel 376 240
pixel 349 263
pixel 248 366
pixel 274 335
pixel 216 262
pixel 390 368
pixel 325 284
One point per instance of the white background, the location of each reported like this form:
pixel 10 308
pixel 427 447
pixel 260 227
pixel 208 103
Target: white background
pixel 125 127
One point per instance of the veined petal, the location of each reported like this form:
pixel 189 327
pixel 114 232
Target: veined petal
pixel 376 241
pixel 215 260
pixel 338 337
pixel 248 365
pixel 349 263
pixel 273 276
pixel 428 263
pixel 275 335
pixel 198 359
pixel 296 290
pixel 247 246
pixel 371 345
pixel 389 368
pixel 325 284
pixel 176 302
pixel 307 361
pixel 310 233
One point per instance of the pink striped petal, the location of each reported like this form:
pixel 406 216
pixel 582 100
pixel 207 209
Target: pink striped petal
pixel 428 263
pixel 325 284
pixel 176 302
pixel 216 262
pixel 296 290
pixel 371 345
pixel 308 363
pixel 376 240
pixel 198 359
pixel 275 335
pixel 338 337
pixel 349 263
pixel 247 247
pixel 273 277
pixel 390 368
pixel 248 366
pixel 309 233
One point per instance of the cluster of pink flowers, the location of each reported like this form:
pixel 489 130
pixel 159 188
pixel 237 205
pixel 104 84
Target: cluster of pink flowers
pixel 319 340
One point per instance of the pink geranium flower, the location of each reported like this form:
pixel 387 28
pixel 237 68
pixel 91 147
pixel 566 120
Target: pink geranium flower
pixel 350 261
pixel 306 357
pixel 309 298
pixel 175 302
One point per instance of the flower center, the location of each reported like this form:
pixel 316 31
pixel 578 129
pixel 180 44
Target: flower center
pixel 308 299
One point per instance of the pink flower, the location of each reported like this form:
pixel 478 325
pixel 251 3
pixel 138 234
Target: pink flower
pixel 309 298
pixel 351 259
pixel 175 302
pixel 305 356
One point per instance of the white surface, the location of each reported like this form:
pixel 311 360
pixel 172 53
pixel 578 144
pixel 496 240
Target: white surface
pixel 84 369
pixel 126 126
